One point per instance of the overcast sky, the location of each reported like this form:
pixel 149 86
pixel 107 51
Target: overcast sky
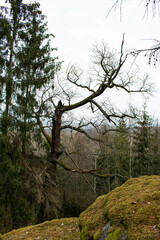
pixel 77 25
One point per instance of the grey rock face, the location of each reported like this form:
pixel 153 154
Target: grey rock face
pixel 105 230
pixel 124 236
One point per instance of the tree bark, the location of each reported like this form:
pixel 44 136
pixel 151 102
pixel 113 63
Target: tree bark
pixel 56 129
pixel 50 180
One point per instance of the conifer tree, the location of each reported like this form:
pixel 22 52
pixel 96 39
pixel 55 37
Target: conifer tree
pixel 141 145
pixel 121 151
pixel 10 19
pixel 26 66
pixel 154 151
pixel 18 200
pixel 35 68
pixel 115 156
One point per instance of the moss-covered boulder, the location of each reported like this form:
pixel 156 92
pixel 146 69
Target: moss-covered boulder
pixel 131 210
pixel 66 228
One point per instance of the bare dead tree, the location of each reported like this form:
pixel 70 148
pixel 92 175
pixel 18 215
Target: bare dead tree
pixel 106 76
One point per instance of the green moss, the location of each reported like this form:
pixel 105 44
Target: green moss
pixel 135 202
pixel 97 235
pixel 115 234
pixel 134 206
pixel 84 232
pixel 92 219
pixel 67 228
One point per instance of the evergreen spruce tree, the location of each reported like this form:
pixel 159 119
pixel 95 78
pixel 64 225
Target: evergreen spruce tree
pixel 115 153
pixel 122 149
pixel 10 19
pixel 26 66
pixel 35 68
pixel 141 145
pixel 154 151
pixel 120 153
pixel 104 161
pixel 18 201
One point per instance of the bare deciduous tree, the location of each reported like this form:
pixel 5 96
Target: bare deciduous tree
pixel 106 77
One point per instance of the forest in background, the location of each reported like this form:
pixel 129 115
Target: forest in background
pixel 92 156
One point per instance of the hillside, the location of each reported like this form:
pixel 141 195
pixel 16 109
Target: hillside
pixel 131 212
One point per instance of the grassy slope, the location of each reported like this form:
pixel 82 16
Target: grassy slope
pixel 134 206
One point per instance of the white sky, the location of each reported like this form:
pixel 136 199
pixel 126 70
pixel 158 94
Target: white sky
pixel 78 24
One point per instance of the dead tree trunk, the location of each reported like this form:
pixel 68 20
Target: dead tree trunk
pixel 55 148
pixel 50 179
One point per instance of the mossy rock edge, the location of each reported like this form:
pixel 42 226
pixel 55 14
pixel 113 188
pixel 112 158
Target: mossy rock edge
pixel 132 210
pixel 66 228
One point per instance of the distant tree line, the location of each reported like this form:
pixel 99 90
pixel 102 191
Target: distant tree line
pixel 131 151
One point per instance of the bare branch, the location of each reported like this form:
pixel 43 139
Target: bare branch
pixel 113 130
pixel 114 6
pixel 73 76
pixel 78 168
pixel 132 83
pixel 48 138
pixel 66 93
pixel 92 171
pixel 85 171
pixel 110 77
pixel 151 53
pixel 80 130
pixel 147 4
pixel 113 115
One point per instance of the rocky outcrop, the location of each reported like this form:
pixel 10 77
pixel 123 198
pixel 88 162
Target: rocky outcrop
pixel 105 230
pixel 129 212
